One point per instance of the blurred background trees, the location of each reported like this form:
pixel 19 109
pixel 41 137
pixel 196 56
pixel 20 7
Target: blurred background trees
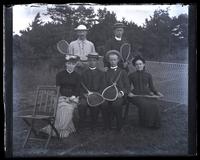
pixel 161 38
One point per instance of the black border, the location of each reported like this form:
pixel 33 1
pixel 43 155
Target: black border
pixel 8 80
pixel 192 88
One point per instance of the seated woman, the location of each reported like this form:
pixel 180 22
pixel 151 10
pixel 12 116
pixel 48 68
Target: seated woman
pixel 69 82
pixel 149 112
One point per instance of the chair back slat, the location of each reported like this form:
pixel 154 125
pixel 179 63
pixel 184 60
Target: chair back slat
pixel 56 102
pixel 41 100
pixel 36 101
pixel 46 100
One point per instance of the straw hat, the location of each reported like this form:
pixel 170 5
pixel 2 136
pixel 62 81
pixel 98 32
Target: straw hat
pixel 113 52
pixel 119 25
pixel 81 28
pixel 71 58
pixel 93 55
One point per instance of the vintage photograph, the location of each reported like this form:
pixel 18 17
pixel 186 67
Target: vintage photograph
pixel 100 80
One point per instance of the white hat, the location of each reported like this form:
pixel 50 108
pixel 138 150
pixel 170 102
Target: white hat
pixel 81 28
pixel 72 58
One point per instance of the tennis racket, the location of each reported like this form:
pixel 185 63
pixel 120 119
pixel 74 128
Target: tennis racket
pixel 110 93
pixel 148 96
pixel 94 98
pixel 125 51
pixel 63 47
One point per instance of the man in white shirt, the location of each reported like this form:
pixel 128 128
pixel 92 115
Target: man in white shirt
pixel 81 47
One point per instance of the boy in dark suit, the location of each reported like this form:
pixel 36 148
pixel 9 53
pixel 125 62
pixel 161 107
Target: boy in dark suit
pixel 123 85
pixel 94 80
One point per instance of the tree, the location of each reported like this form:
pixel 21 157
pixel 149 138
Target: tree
pixel 103 30
pixel 156 34
pixel 36 22
pixel 160 37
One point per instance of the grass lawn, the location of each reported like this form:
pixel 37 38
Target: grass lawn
pixel 170 139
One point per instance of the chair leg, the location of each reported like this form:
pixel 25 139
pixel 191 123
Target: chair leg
pixel 26 140
pixel 29 124
pixel 55 130
pixel 49 138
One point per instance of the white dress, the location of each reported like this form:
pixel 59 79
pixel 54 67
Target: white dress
pixel 64 115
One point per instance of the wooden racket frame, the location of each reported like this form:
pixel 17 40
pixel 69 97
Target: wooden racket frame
pixel 147 96
pixel 114 84
pixel 128 53
pixel 89 93
pixel 57 45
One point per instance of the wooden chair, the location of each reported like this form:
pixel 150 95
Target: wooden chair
pixel 44 112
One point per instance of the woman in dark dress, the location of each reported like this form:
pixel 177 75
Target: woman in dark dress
pixel 69 82
pixel 149 111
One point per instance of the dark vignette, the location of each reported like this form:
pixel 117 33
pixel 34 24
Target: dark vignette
pixel 192 109
pixel 192 106
pixel 8 79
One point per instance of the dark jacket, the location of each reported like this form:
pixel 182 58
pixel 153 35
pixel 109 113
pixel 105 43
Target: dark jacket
pixel 123 82
pixel 113 44
pixel 94 80
pixel 142 83
pixel 69 83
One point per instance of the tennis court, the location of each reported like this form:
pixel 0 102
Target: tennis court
pixel 169 78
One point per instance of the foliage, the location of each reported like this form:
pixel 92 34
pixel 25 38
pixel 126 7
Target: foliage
pixel 160 37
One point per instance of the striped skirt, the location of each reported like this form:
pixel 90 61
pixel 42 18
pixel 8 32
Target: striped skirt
pixel 63 121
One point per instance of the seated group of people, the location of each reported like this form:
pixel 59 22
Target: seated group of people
pixel 81 68
pixel 74 95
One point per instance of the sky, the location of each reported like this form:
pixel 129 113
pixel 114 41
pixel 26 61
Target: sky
pixel 24 15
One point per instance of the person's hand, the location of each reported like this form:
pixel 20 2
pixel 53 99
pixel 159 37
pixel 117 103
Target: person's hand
pixel 76 101
pixel 72 97
pixel 160 94
pixel 125 64
pixel 85 95
pixel 105 69
pixel 131 94
pixel 120 95
pixel 151 93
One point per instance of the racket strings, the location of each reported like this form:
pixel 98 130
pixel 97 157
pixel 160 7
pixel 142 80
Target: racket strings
pixel 63 47
pixel 125 51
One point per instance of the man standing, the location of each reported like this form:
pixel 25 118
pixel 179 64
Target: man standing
pixel 81 47
pixel 115 43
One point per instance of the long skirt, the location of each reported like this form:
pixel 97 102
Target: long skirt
pixel 63 121
pixel 149 111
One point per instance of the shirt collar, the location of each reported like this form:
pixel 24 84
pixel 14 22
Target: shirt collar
pixel 92 68
pixel 114 67
pixel 69 72
pixel 118 39
pixel 82 40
